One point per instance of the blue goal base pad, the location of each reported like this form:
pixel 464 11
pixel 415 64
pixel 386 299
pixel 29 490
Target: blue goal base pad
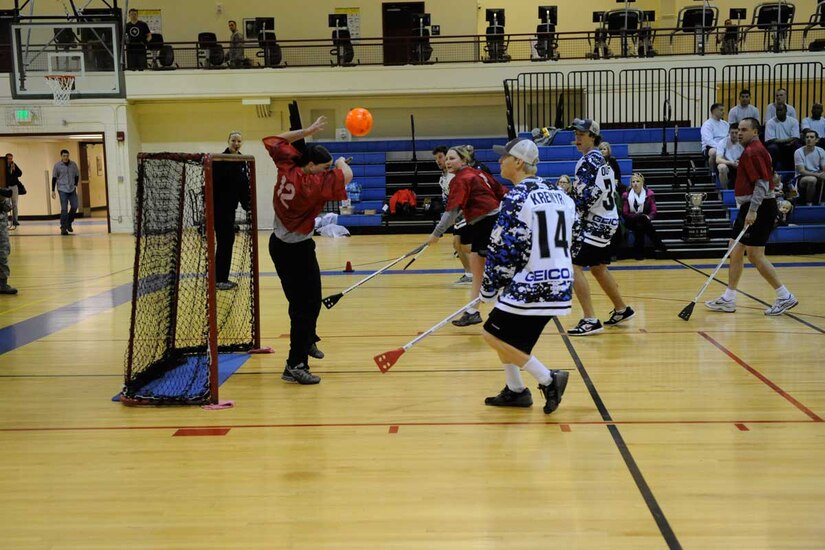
pixel 228 364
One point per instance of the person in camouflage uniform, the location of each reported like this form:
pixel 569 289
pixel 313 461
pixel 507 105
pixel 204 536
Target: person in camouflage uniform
pixel 5 243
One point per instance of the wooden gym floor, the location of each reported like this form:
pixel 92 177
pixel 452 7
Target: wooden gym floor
pixel 703 434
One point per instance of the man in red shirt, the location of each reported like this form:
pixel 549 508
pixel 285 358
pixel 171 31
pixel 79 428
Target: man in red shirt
pixel 305 181
pixel 757 210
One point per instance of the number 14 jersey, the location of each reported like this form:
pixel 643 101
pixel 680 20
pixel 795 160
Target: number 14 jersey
pixel 529 257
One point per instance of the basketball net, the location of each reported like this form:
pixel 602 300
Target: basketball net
pixel 61 86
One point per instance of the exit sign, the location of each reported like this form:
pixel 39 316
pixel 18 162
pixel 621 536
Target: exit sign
pixel 23 116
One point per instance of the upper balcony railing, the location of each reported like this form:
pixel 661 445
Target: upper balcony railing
pixel 642 43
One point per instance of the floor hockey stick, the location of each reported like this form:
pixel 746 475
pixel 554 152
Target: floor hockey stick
pixel 386 360
pixel 688 310
pixel 415 257
pixel 330 301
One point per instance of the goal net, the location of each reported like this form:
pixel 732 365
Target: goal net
pixel 180 321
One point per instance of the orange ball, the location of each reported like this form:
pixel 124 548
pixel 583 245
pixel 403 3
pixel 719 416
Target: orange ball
pixel 359 121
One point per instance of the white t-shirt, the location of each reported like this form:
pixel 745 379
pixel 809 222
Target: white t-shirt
pixel 713 132
pixel 817 126
pixel 739 113
pixel 772 111
pixel 776 129
pixel 813 161
pixel 731 151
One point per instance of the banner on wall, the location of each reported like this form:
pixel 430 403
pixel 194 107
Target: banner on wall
pixel 152 19
pixel 353 20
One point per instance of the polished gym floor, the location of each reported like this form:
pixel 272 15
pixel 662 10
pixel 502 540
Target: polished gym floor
pixel 704 434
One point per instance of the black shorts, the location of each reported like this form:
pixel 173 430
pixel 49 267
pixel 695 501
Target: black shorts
pixel 590 255
pixel 520 331
pixel 760 231
pixel 480 232
pixel 464 233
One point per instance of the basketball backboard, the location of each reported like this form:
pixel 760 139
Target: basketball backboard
pixel 90 52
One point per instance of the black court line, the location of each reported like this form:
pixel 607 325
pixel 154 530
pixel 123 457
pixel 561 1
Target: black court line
pixel 630 462
pixel 754 298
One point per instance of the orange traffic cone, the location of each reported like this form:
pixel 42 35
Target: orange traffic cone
pixel 348 269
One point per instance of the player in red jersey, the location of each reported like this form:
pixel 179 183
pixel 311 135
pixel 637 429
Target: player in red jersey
pixel 477 195
pixel 305 181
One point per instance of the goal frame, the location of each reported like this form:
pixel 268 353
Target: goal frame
pixel 206 160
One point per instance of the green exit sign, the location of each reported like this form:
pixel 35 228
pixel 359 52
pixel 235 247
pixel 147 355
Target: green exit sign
pixel 23 116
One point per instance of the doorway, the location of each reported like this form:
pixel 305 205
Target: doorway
pixel 397 30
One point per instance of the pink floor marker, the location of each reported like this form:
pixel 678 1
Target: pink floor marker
pixel 220 405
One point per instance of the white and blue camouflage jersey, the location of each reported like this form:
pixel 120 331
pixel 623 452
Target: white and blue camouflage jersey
pixel 529 256
pixel 594 192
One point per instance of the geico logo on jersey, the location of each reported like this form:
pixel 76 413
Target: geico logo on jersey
pixel 548 275
pixel 609 221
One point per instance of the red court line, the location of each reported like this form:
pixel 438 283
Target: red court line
pixel 413 424
pixel 201 431
pixel 763 378
pixel 393 429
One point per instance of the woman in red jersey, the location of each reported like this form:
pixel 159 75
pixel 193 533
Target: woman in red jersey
pixel 477 195
pixel 303 184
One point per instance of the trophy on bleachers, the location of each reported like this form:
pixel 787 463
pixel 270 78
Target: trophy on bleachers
pixel 695 228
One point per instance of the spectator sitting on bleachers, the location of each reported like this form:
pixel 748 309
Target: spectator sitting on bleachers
pixel 607 153
pixel 816 123
pixel 727 157
pixel 810 169
pixel 781 98
pixel 744 109
pixel 564 183
pixel 714 130
pixel 638 210
pixel 782 138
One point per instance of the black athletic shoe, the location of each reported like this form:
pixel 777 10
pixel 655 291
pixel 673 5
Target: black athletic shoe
pixel 64 232
pixel 586 328
pixel 616 317
pixel 509 398
pixel 315 352
pixel 554 390
pixel 70 229
pixel 468 319
pixel 299 375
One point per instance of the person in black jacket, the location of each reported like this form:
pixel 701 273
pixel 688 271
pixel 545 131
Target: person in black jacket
pixel 12 180
pixel 230 187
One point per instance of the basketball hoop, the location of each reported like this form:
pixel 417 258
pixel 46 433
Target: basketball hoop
pixel 62 86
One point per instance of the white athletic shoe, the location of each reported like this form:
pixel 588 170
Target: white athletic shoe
pixel 781 305
pixel 720 304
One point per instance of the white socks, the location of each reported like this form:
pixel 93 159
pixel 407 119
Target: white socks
pixel 782 292
pixel 513 376
pixel 729 295
pixel 538 370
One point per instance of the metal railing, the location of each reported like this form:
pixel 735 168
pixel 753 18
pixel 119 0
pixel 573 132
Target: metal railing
pixel 480 48
pixel 634 97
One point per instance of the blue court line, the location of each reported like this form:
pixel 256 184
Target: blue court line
pixel 25 332
pixel 28 331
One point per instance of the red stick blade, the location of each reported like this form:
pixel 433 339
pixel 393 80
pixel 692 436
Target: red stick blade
pixel 386 360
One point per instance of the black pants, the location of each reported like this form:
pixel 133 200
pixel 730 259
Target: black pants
pixel 641 227
pixel 136 57
pixel 224 235
pixel 297 267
